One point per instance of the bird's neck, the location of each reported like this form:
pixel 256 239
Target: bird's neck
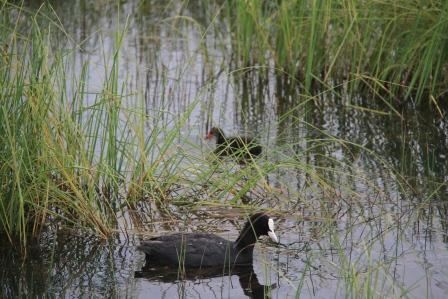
pixel 246 241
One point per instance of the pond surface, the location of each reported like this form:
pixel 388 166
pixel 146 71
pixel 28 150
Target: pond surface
pixel 384 225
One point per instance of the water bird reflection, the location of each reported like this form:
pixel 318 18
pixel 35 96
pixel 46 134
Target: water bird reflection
pixel 247 277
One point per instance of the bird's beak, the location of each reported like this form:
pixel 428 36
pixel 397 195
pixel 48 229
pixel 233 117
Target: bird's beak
pixel 273 236
pixel 209 136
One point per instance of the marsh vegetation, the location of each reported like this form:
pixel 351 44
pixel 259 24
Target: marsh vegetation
pixel 104 110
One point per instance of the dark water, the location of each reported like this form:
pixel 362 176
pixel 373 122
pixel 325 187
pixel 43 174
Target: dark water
pixel 386 235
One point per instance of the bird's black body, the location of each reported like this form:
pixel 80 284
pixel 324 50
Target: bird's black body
pixel 194 250
pixel 240 146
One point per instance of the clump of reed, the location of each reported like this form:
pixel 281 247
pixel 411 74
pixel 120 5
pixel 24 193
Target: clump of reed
pixel 392 48
pixel 68 157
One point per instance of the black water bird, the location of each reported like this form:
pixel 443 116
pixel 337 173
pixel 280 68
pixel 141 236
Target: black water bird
pixel 242 147
pixel 199 250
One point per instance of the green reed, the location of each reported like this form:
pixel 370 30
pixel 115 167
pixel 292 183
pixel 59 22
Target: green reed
pixel 388 47
pixel 69 157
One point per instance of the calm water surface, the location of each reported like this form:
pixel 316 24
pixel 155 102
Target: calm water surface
pixel 393 236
